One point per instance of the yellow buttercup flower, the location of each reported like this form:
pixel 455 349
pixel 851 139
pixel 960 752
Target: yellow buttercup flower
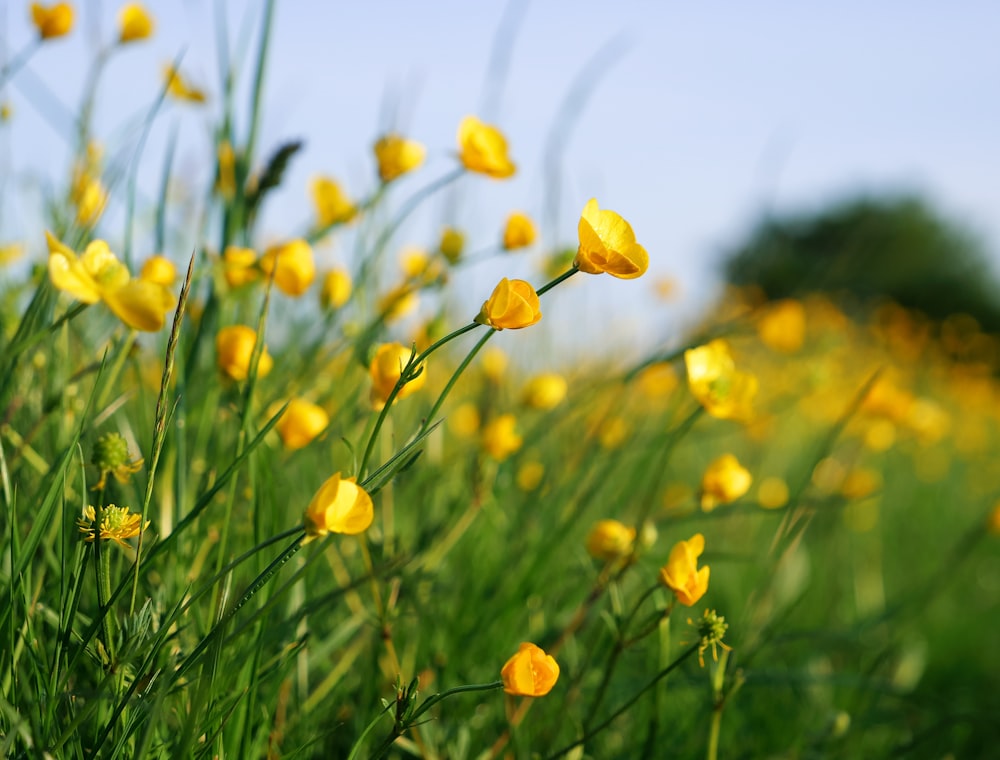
pixel 530 673
pixel 772 493
pixel 500 437
pixel 386 369
pixel 725 480
pixel 110 456
pixel 398 302
pixel 396 156
pixel 514 304
pixel 782 326
pixel 452 244
pixel 10 253
pixel 339 506
pixel 682 575
pixel 159 269
pixel 482 148
pixel 295 266
pixel 529 476
pixel 464 420
pixel 52 21
pixel 607 244
pixel 725 392
pixel 134 23
pixel 545 391
pixel 330 202
pixel 178 87
pixel 98 275
pixel 117 524
pixel 657 380
pixel 336 289
pixel 519 231
pixel 239 265
pixel 610 540
pixel 494 362
pixel 90 197
pixel 234 348
pixel 301 423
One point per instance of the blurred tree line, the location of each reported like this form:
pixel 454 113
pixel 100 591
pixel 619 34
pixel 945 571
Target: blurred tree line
pixel 871 248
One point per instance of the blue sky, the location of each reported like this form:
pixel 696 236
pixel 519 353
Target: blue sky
pixel 709 114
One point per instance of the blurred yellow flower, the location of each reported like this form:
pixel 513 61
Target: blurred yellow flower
pixel 330 202
pixel 225 175
pixel 464 420
pixel 339 506
pixel 239 265
pixel 782 326
pixel 610 540
pixel 111 457
pixel 301 423
pixel 519 231
pixel 398 302
pixel 482 148
pixel 714 380
pixel 416 264
pixel 494 364
pixel 607 244
pixel 336 289
pixel 861 483
pixel 772 493
pixel 134 23
pixel 529 476
pixel 612 433
pixel 682 575
pixel 545 391
pixel 6 111
pixel 159 269
pixel 513 305
pixel 993 521
pixel 234 348
pixel 117 524
pixel 296 268
pixel 657 380
pixel 500 437
pixel 396 156
pixel 10 253
pixel 725 480
pixel 89 197
pixel 52 21
pixel 178 87
pixel 386 369
pixel 529 673
pixel 98 275
pixel 452 244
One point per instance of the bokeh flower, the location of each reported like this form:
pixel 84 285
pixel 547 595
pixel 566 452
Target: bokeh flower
pixel 545 391
pixel 239 265
pixel 134 23
pixel 725 392
pixel 607 244
pixel 772 493
pixel 519 231
pixel 294 265
pixel 452 244
pixel 725 480
pixel 179 88
pixel 482 148
pixel 336 289
pixel 330 202
pixel 234 349
pixel 117 524
pixel 159 269
pixel 301 423
pixel 610 540
pixel 514 304
pixel 52 21
pixel 397 155
pixel 530 673
pixel 529 476
pixel 782 326
pixel 385 370
pixel 682 575
pixel 500 437
pixel 339 506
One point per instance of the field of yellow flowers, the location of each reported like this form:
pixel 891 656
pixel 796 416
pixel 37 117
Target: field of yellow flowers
pixel 251 509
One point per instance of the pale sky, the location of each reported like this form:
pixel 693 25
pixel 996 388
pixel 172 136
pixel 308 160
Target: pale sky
pixel 708 113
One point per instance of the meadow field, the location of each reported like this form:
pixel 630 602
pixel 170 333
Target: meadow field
pixel 259 500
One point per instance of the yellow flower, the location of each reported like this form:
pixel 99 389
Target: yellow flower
pixel 518 232
pixel 301 423
pixel 180 88
pixel 772 493
pixel 98 275
pixel 482 148
pixel 117 524
pixel 452 244
pixel 494 364
pixel 682 575
pixel 993 521
pixel 385 370
pixel 234 348
pixel 714 380
pixel 134 23
pixel 339 506
pixel 111 457
pixel 545 391
pixel 782 327
pixel 607 244
pixel 529 476
pixel 612 433
pixel 295 266
pixel 657 380
pixel 10 253
pixel 53 20
pixel 464 420
pixel 239 265
pixel 396 156
pixel 500 437
pixel 530 673
pixel 159 269
pixel 610 540
pixel 89 197
pixel 725 480
pixel 416 264
pixel 225 175
pixel 336 289
pixel 513 305
pixel 331 202
pixel 398 302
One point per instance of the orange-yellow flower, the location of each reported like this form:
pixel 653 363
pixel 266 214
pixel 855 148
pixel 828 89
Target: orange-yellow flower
pixel 725 480
pixel 385 371
pixel 782 326
pixel 98 275
pixel 234 348
pixel 682 575
pixel 714 380
pixel 239 265
pixel 530 673
pixel 500 437
pixel 52 21
pixel 545 391
pixel 514 304
pixel 301 423
pixel 117 524
pixel 336 289
pixel 178 87
pixel 134 23
pixel 296 268
pixel 330 202
pixel 610 540
pixel 339 506
pixel 482 148
pixel 396 156
pixel 518 232
pixel 159 269
pixel 607 244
